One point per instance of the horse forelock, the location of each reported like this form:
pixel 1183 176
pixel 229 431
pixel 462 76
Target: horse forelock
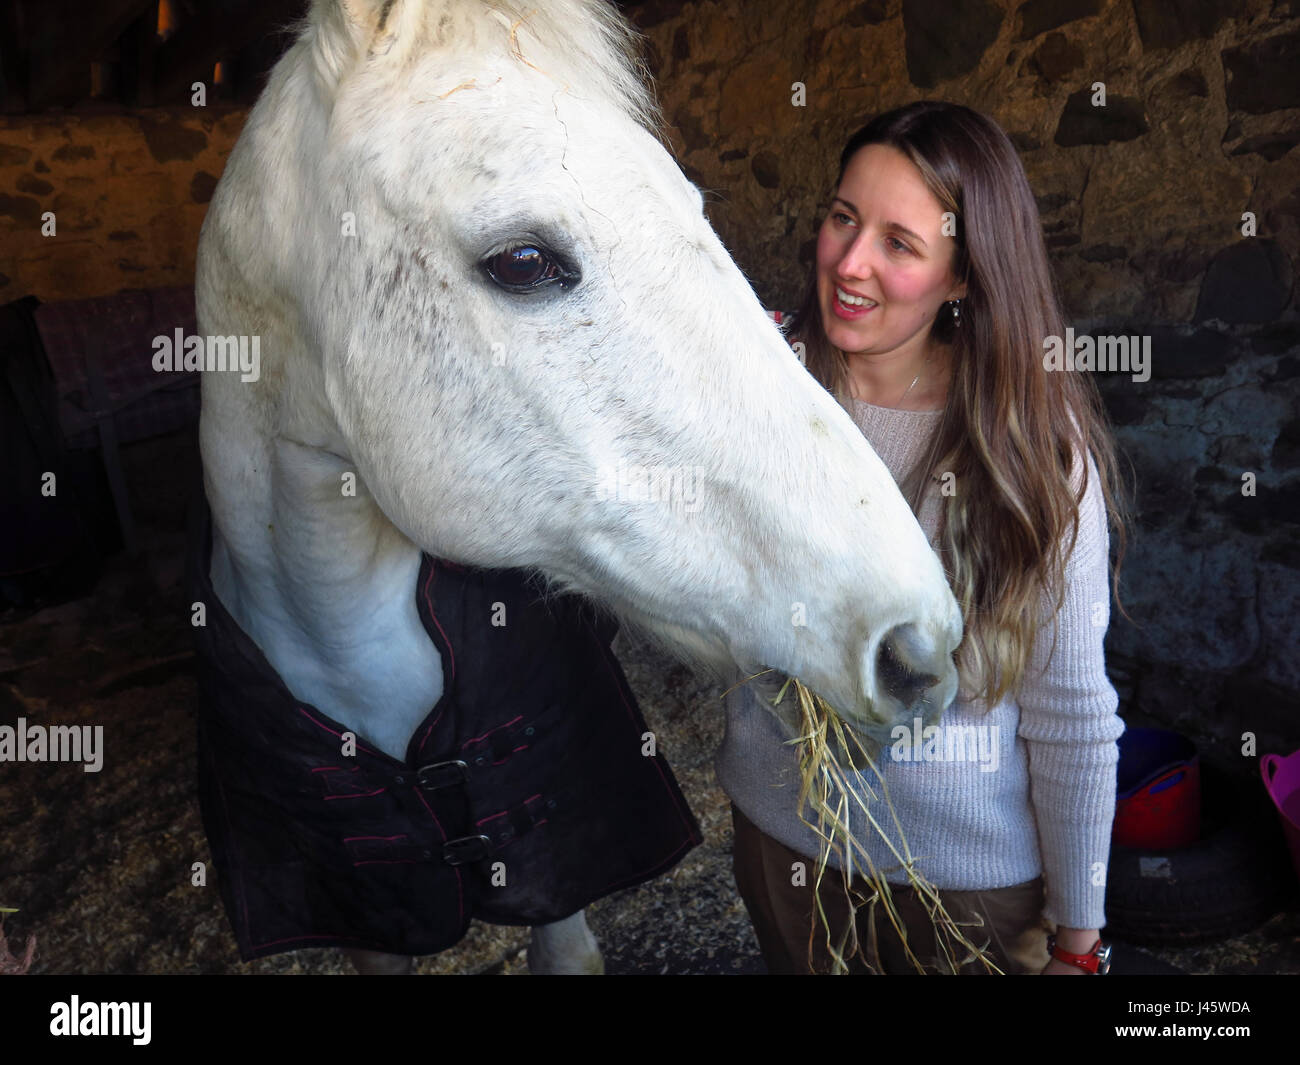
pixel 583 46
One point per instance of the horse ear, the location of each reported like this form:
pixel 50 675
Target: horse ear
pixel 348 30
pixel 380 22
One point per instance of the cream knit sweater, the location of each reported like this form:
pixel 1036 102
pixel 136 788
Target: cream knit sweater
pixel 1031 792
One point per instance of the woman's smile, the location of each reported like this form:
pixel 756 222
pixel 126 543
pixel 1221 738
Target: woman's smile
pixel 850 306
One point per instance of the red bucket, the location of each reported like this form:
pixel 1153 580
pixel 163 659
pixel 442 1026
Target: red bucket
pixel 1158 801
pixel 1282 782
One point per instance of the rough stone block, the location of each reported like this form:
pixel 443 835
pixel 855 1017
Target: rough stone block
pixel 1121 119
pixel 1249 281
pixel 1039 16
pixel 1262 75
pixel 1169 23
pixel 944 40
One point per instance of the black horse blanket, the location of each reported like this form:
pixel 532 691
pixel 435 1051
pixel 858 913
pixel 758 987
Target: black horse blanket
pixel 523 797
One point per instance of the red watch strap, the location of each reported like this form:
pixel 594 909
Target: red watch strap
pixel 1089 962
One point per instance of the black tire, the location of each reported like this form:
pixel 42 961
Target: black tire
pixel 1231 880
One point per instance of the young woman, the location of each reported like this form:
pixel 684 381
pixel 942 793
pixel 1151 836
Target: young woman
pixel 926 317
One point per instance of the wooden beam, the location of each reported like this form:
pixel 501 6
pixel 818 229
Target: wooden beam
pixel 139 44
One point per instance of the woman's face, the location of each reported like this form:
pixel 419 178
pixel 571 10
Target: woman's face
pixel 882 247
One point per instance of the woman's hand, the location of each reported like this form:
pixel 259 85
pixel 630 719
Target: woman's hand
pixel 1076 941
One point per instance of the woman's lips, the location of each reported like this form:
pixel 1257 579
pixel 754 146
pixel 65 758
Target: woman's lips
pixel 850 311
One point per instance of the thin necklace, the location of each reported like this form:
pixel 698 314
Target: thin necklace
pixel 913 384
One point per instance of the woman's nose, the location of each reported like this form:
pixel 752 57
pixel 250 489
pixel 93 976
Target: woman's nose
pixel 857 261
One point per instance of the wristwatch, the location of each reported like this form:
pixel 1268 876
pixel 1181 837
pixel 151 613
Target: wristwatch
pixel 1096 961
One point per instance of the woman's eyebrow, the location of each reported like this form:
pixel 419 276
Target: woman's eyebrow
pixel 907 232
pixel 888 225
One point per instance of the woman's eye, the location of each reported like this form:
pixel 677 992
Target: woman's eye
pixel 896 245
pixel 842 218
pixel 525 268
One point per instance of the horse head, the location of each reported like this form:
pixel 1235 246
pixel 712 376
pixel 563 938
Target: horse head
pixel 481 283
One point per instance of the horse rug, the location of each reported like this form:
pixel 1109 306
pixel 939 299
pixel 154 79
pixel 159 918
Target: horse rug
pixel 524 796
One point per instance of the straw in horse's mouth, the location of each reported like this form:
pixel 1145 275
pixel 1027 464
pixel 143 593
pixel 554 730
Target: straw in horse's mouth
pixel 823 788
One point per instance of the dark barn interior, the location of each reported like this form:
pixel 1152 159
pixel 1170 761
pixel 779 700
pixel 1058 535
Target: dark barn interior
pixel 1173 212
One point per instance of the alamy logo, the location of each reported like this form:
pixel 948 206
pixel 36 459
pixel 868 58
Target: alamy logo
pixel 629 483
pixel 1106 354
pixel 181 353
pixel 57 743
pixel 102 1018
pixel 946 743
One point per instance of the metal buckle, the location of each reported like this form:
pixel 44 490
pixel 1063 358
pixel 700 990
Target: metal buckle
pixel 1103 960
pixel 466 849
pixel 440 775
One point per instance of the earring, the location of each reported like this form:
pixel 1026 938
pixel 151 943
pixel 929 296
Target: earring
pixel 956 311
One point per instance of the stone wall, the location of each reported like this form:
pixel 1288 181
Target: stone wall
pixel 1142 203
pixel 128 192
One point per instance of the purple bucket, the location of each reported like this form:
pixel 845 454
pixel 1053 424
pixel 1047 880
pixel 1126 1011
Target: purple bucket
pixel 1282 782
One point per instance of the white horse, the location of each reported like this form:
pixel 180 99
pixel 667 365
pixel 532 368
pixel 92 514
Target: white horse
pixel 480 285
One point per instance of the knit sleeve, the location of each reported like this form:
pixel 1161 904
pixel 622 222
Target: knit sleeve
pixel 1069 723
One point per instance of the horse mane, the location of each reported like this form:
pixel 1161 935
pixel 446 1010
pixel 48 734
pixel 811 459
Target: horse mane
pixel 585 46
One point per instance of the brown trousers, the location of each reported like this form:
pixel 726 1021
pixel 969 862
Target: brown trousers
pixel 1007 922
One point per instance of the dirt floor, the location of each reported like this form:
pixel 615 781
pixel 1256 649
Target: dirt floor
pixel 98 865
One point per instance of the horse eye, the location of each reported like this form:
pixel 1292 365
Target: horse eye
pixel 525 269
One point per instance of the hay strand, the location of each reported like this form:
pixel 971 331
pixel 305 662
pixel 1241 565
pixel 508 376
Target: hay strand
pixel 825 745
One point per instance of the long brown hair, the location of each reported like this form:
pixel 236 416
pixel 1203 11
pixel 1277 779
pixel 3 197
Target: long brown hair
pixel 1011 432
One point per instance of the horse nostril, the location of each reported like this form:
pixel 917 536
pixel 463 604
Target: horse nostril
pixel 895 673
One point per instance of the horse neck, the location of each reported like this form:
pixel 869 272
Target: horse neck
pixel 317 576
